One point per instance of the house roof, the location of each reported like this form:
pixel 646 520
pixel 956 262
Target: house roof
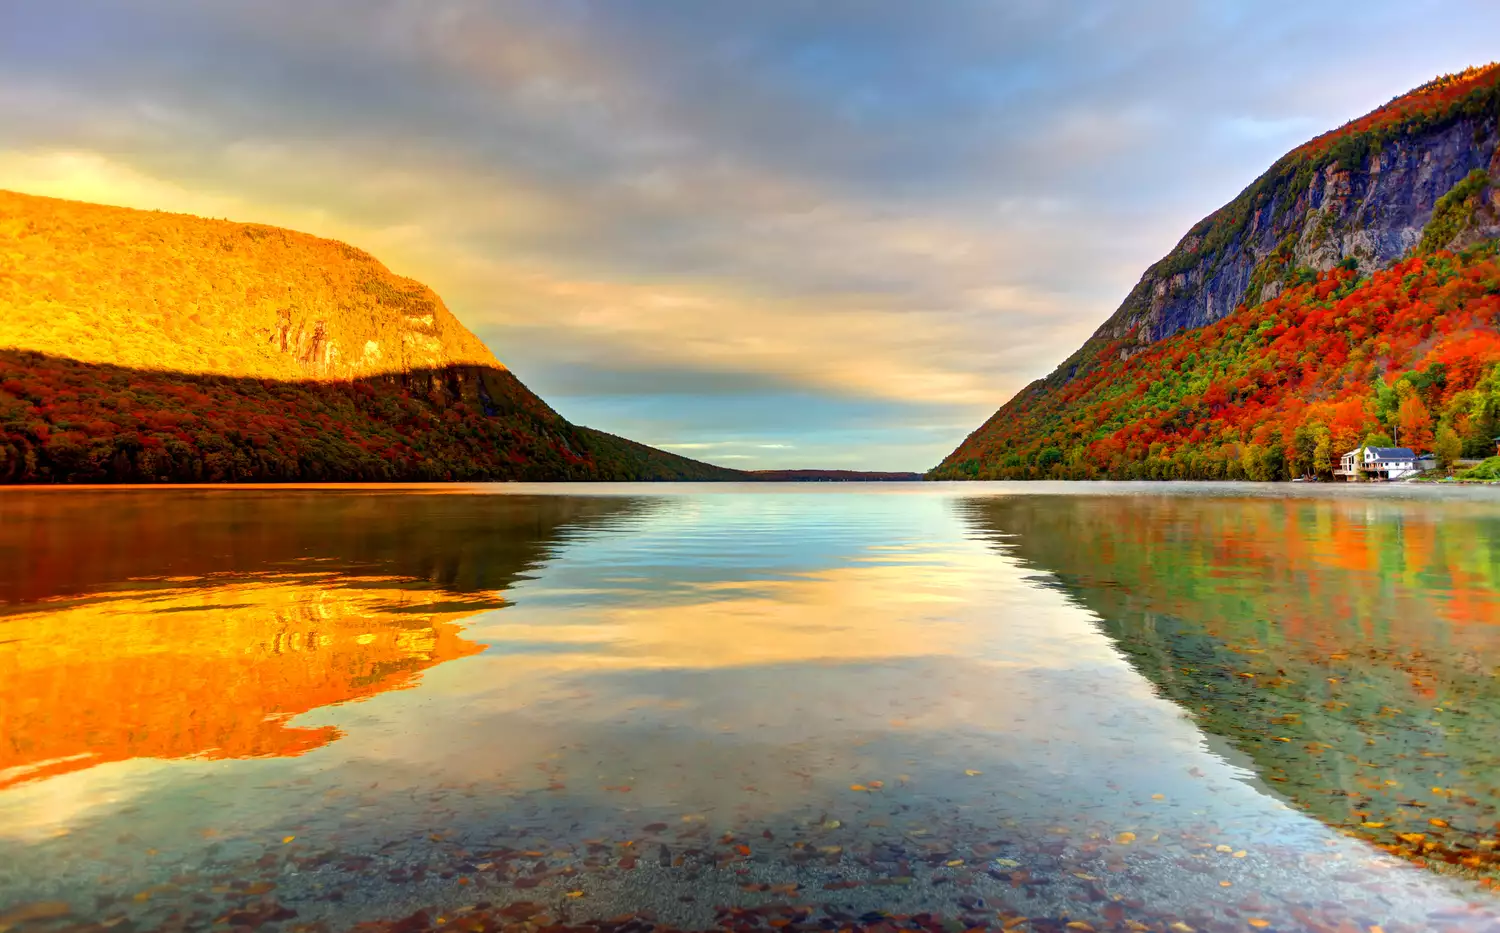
pixel 1388 453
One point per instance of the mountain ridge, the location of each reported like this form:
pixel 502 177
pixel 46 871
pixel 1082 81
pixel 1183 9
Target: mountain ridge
pixel 142 346
pixel 1355 200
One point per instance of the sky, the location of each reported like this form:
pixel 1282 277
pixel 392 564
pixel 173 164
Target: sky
pixel 763 233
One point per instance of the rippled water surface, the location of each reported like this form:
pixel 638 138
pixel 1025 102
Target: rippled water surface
pixel 774 707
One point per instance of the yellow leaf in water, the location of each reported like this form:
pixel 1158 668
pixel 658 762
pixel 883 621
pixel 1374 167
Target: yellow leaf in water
pixel 954 863
pixel 1222 848
pixel 1125 839
pixel 972 773
pixel 1180 927
pixel 858 787
pixel 1437 822
pixel 1158 796
pixel 877 785
pixel 36 910
pixel 1257 922
pixel 575 894
pixel 1376 928
pixel 1226 884
pixel 286 839
pixel 1240 854
pixel 1413 838
pixel 1080 925
pixel 1373 825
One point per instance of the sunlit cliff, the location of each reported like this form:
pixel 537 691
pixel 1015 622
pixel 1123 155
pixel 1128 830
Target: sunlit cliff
pixel 190 294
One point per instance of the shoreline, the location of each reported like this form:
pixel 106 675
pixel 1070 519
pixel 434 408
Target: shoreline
pixel 1471 491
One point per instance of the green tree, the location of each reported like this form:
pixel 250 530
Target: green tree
pixel 1250 462
pixel 1322 458
pixel 1303 452
pixel 1448 447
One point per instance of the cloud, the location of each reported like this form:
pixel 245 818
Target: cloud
pixel 864 203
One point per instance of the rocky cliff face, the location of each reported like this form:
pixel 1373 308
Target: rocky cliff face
pixel 1371 214
pixel 1362 194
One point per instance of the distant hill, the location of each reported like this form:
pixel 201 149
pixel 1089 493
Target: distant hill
pixel 140 346
pixel 1348 294
pixel 832 476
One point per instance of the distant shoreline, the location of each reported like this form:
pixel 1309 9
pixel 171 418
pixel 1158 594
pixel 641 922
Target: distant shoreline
pixel 1487 493
pixel 833 476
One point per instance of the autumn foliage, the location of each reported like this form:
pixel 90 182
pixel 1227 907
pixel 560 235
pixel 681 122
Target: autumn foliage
pixel 62 420
pixel 1276 390
pixel 1312 363
pixel 1408 112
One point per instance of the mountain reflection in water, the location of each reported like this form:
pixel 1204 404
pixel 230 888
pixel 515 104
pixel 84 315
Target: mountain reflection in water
pixel 200 629
pixel 1350 648
pixel 764 707
pixel 218 677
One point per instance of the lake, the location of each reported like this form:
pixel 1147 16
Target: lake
pixel 777 707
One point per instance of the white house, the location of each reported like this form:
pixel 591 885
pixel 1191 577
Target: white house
pixel 1381 463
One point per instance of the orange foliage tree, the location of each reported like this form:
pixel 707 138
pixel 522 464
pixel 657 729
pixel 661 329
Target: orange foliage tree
pixel 1416 424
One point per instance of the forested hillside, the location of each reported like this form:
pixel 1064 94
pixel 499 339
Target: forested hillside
pixel 140 346
pixel 1348 296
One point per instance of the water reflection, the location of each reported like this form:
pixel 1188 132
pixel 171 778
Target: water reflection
pixel 1350 649
pixel 200 629
pixel 107 678
pixel 694 708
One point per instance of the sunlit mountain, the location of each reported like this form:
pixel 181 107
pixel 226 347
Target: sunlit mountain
pixel 147 346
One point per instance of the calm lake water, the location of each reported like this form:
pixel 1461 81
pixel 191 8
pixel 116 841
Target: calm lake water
pixel 779 707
